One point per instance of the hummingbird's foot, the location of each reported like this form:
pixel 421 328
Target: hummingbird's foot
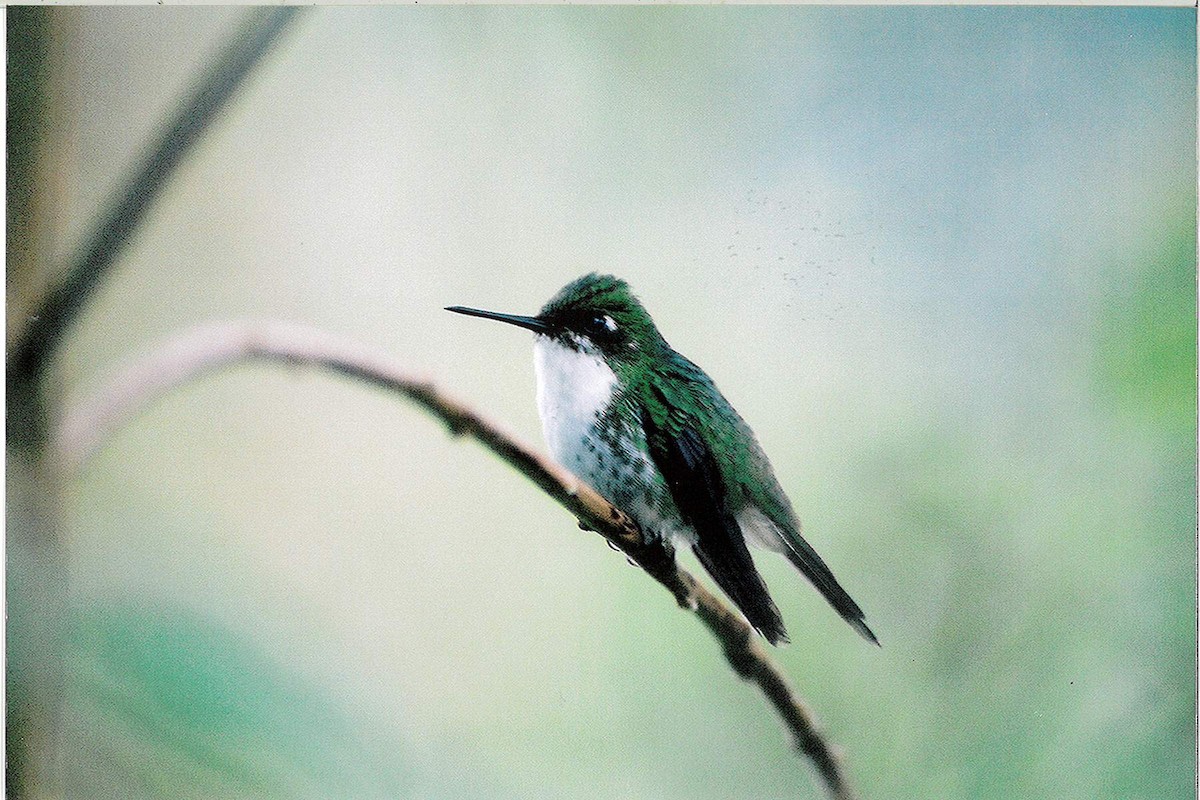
pixel 583 526
pixel 659 545
pixel 657 556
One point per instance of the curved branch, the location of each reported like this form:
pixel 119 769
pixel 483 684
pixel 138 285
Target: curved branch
pixel 214 346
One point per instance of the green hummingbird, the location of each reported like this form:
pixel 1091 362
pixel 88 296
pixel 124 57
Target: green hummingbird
pixel 650 431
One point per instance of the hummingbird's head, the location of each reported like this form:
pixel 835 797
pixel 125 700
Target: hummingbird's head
pixel 594 314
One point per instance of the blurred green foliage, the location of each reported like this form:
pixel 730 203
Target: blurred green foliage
pixel 169 704
pixel 1147 339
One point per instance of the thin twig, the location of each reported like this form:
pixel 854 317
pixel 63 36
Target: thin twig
pixel 37 343
pixel 214 346
pixel 36 555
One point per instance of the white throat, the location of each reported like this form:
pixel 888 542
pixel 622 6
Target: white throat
pixel 573 388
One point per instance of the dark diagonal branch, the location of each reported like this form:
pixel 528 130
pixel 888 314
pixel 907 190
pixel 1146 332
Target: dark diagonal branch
pixel 37 343
pixel 215 346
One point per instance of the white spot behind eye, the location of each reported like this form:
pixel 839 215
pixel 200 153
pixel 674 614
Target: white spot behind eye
pixel 609 323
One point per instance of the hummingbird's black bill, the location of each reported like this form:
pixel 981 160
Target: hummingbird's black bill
pixel 531 323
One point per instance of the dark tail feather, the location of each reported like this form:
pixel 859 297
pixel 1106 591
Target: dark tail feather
pixel 808 562
pixel 735 573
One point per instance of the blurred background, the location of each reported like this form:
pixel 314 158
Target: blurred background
pixel 942 259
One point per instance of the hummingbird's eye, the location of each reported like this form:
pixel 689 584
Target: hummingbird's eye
pixel 601 325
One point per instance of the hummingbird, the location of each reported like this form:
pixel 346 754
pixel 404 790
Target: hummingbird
pixel 650 431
